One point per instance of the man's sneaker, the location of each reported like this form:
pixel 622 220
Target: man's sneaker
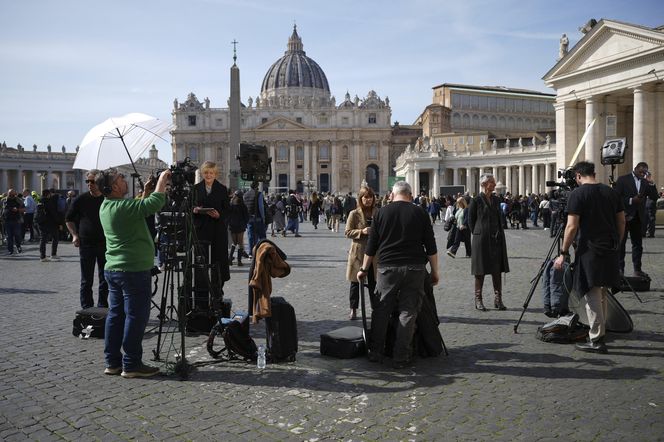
pixel 144 371
pixel 113 370
pixel 451 254
pixel 44 259
pixel 592 347
pixel 55 258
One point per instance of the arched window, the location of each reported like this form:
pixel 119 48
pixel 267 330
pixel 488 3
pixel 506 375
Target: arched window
pixel 466 120
pixel 324 152
pixel 456 120
pixel 372 178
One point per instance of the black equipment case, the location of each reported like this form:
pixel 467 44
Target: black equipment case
pixel 94 317
pixel 343 343
pixel 637 283
pixel 281 331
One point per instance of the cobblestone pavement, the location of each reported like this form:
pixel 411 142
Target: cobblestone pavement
pixel 494 385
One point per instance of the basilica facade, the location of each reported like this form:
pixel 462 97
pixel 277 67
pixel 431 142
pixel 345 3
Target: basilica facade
pixel 315 142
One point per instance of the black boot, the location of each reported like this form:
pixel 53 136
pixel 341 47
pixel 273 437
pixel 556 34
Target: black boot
pixel 239 257
pixel 479 305
pixel 231 255
pixel 498 300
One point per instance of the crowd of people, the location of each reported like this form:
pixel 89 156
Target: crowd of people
pixel 391 241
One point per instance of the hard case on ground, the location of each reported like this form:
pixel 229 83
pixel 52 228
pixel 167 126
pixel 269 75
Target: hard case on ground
pixel 94 317
pixel 281 331
pixel 637 283
pixel 343 343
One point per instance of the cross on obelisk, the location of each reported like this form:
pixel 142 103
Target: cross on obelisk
pixel 234 42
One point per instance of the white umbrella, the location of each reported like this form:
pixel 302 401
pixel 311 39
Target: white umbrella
pixel 117 141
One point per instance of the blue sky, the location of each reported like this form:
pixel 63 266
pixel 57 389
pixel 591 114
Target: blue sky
pixel 70 64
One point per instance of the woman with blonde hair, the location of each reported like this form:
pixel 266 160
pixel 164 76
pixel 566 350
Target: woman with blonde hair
pixel 462 230
pixel 211 210
pixel 358 226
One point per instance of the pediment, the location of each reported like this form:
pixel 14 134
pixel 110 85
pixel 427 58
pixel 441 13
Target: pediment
pixel 607 44
pixel 281 123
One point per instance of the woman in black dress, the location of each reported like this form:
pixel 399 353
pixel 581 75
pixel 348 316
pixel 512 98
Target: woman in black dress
pixel 211 210
pixel 488 242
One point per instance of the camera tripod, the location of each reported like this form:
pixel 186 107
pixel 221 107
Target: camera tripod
pixel 184 254
pixel 555 246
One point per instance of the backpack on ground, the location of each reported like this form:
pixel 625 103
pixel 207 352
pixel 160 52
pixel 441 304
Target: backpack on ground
pixel 235 333
pixel 564 330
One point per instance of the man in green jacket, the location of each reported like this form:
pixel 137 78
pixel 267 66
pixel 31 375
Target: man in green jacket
pixel 129 259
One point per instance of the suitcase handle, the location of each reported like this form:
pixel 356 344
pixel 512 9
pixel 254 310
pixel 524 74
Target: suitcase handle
pixel 365 329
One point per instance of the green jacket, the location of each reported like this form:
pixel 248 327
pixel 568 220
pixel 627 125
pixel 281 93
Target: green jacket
pixel 129 245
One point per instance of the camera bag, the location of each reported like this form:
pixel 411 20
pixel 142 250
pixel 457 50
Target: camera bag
pixel 237 340
pixel 281 331
pixel 343 343
pixel 93 317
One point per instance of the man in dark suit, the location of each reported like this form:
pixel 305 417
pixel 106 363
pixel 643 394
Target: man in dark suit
pixel 634 188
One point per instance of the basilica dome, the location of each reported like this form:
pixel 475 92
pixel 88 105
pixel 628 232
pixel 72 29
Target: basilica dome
pixel 295 74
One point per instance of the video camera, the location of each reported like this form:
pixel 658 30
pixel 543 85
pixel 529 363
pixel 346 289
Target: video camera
pixel 183 177
pixel 255 164
pixel 558 195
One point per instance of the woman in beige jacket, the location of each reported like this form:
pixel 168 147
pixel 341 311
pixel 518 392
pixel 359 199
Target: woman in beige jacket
pixel 357 229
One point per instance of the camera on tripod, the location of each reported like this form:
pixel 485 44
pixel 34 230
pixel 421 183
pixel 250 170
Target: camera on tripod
pixel 183 177
pixel 255 164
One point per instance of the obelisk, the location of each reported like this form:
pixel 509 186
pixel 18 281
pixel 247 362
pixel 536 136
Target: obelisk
pixel 235 120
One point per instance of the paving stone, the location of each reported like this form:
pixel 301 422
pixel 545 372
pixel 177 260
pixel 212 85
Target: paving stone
pixel 495 384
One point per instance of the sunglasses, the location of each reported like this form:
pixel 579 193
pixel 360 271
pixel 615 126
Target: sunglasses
pixel 90 181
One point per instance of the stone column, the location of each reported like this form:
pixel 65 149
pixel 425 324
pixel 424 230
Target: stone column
pixel 307 161
pixel 334 161
pixel 534 175
pixel 567 136
pixel 273 155
pixel 591 148
pixel 639 138
pixel 34 181
pixel 314 163
pixel 455 176
pixel 658 166
pixel 436 182
pixel 508 179
pixel 415 184
pixel 522 177
pixel 469 180
pixel 3 181
pixel 547 172
pixel 356 175
pixel 494 171
pixel 292 179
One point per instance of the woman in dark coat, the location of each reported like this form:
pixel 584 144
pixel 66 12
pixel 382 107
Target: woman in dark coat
pixel 488 242
pixel 211 210
pixel 237 223
pixel 315 208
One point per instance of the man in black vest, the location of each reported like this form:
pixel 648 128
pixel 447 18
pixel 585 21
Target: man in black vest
pixel 595 212
pixel 634 188
pixel 403 239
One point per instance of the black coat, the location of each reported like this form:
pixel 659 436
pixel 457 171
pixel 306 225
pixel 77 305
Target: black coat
pixel 214 230
pixel 488 238
pixel 626 188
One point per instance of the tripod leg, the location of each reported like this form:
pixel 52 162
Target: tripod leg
pixel 537 278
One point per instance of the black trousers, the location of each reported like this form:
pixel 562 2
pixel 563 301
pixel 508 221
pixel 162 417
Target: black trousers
pixel 635 231
pixel 354 293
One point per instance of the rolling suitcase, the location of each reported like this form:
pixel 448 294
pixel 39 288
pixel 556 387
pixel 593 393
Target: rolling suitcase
pixel 90 322
pixel 281 331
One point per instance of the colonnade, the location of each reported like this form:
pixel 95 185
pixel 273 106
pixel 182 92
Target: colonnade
pixel 38 179
pixel 517 178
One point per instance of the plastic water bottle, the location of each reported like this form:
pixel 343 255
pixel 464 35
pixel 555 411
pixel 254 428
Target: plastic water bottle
pixel 260 363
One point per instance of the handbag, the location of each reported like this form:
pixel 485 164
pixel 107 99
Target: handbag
pixel 451 222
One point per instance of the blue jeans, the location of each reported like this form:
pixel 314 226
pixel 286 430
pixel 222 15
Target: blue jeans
pixel 13 230
pixel 255 231
pixel 89 256
pixel 293 225
pixel 128 313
